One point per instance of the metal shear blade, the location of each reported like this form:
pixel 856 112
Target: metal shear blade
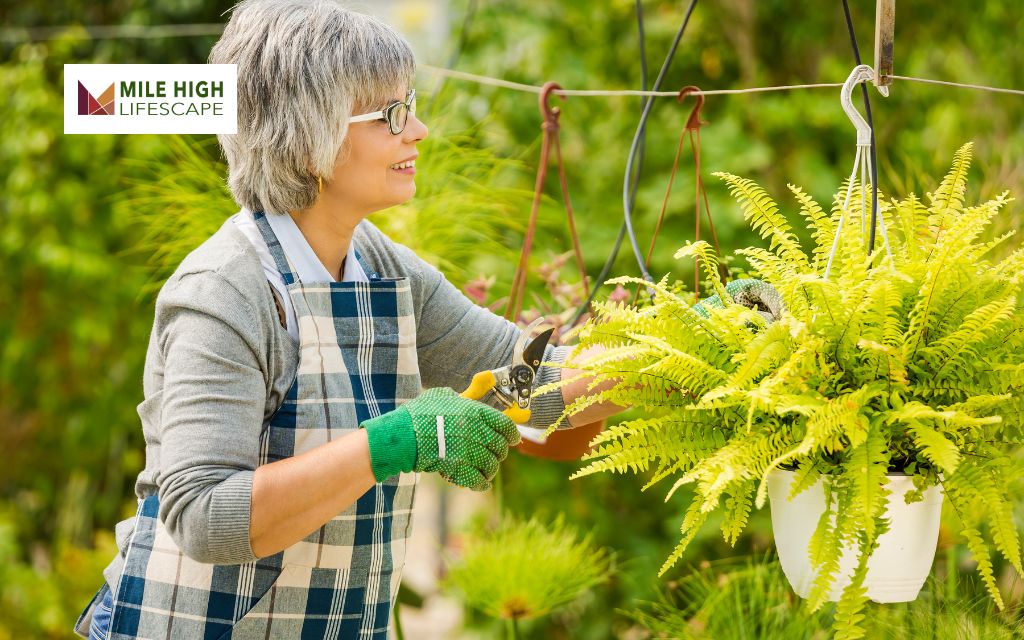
pixel 512 384
pixel 526 359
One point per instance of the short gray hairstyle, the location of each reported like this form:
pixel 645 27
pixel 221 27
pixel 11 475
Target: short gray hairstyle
pixel 304 66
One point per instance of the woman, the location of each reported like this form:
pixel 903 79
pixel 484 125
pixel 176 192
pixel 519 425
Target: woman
pixel 283 416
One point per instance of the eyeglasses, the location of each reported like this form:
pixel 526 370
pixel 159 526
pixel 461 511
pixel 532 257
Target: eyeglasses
pixel 396 114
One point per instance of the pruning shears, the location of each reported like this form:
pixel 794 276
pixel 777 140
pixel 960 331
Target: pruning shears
pixel 512 385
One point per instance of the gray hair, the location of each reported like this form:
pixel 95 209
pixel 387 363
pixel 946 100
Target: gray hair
pixel 304 66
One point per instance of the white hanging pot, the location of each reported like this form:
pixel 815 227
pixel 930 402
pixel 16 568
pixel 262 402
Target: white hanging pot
pixel 898 567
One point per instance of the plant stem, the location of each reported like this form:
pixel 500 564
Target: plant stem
pixel 951 575
pixel 512 628
pixel 398 622
pixel 499 496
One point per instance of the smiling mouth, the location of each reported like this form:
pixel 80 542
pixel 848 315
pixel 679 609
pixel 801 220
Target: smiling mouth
pixel 401 166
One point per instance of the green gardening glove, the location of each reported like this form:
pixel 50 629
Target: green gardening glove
pixel 755 294
pixel 440 431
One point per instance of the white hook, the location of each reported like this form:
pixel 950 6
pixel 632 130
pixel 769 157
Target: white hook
pixel 862 161
pixel 860 73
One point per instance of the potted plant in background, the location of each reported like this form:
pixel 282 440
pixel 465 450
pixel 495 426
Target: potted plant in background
pixel 524 569
pixel 895 380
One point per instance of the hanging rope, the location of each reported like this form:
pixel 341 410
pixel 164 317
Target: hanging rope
pixel 692 127
pixel 551 140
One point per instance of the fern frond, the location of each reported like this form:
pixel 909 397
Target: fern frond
pixel 737 511
pixel 866 471
pixel 617 458
pixel 1012 266
pixel 1000 516
pixel 825 548
pixel 838 419
pixel 935 446
pixel 980 552
pixel 912 221
pixel 949 197
pixel 895 366
pixel 975 329
pixel 763 215
pixel 701 251
pixel 690 372
pixel 965 491
pixel 823 229
pixel 769 267
pixel 627 428
pixel 806 476
pixel 581 403
pixel 695 517
pixel 850 609
pixel 762 354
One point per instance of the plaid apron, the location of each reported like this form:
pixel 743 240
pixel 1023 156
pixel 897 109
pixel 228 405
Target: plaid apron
pixel 357 343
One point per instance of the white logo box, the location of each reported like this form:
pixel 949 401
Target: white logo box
pixel 154 98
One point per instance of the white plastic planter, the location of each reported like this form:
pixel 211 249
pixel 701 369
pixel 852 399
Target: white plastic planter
pixel 898 567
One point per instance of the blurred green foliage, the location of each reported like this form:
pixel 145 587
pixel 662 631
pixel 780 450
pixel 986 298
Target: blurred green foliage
pixel 524 569
pixel 76 228
pixel 746 598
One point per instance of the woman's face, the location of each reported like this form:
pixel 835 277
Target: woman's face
pixel 365 178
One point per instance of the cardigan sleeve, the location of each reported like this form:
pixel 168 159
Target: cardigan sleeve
pixel 210 416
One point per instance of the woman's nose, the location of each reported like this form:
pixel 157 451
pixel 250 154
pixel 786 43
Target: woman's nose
pixel 415 130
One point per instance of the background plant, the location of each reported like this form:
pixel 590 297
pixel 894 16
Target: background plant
pixel 524 569
pixel 744 598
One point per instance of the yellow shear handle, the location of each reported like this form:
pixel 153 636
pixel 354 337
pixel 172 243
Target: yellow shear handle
pixel 484 382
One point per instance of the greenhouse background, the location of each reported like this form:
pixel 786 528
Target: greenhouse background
pixel 91 226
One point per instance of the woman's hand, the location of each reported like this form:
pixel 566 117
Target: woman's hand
pixel 440 431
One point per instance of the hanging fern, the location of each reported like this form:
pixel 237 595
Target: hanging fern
pixel 914 363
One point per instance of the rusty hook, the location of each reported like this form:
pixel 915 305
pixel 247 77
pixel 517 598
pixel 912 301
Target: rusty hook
pixel 693 122
pixel 550 113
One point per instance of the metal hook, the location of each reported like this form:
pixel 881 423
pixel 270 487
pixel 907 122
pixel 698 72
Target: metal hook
pixel 693 122
pixel 860 73
pixel 550 113
pixel 862 160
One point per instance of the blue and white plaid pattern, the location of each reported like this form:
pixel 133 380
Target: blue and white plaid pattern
pixel 357 346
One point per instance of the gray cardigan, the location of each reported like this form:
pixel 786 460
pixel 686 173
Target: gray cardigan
pixel 219 363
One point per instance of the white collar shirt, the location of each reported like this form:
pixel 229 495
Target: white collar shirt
pixel 304 260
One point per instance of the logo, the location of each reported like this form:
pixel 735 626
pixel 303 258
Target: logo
pixel 151 98
pixel 89 105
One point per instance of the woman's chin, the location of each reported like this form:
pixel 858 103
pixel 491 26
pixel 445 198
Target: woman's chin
pixel 399 199
pixel 407 194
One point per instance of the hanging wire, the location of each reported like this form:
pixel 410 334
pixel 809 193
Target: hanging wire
pixel 589 93
pixel 17 35
pixel 460 45
pixel 871 124
pixel 627 205
pixel 863 162
pixel 960 85
pixel 610 261
pixel 20 35
pixel 628 188
pixel 643 137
